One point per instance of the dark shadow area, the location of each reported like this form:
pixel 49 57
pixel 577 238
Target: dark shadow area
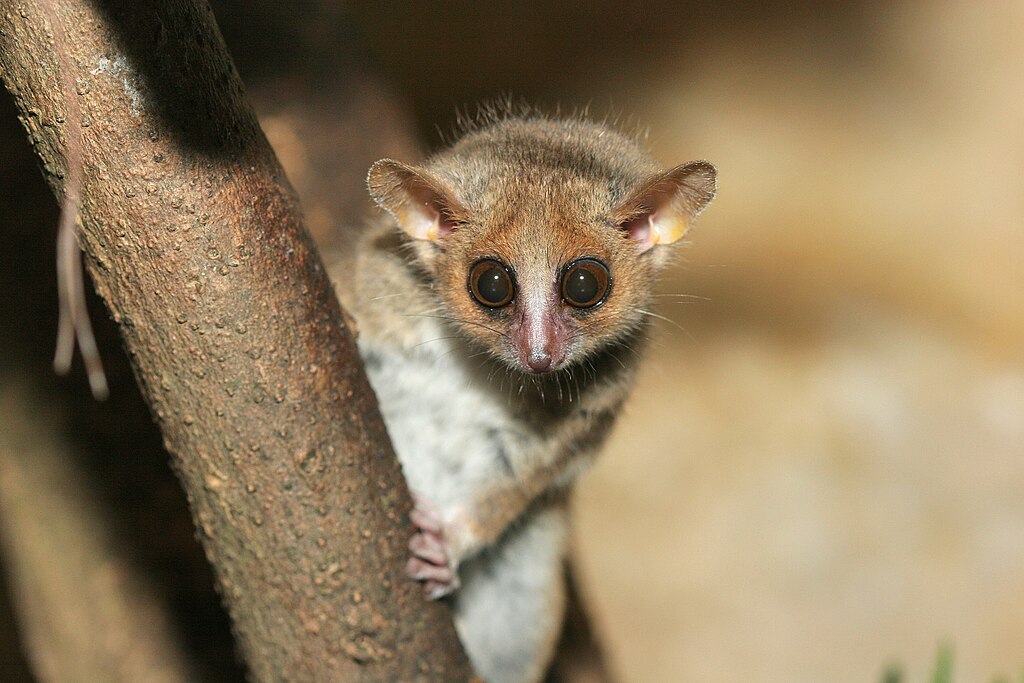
pixel 446 58
pixel 14 667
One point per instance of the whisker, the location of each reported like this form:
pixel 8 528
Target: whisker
pixel 671 322
pixel 428 311
pixel 627 347
pixel 457 320
pixel 659 317
pixel 434 340
pixel 683 296
pixel 616 358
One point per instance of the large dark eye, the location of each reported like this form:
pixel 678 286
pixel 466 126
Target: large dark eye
pixel 491 284
pixel 585 283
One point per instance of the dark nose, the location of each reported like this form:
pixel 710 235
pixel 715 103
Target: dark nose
pixel 539 360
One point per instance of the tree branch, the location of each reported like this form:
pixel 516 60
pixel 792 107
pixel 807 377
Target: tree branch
pixel 194 240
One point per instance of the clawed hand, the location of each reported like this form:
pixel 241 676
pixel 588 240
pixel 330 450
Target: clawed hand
pixel 430 562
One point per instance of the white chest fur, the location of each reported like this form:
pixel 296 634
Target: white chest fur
pixel 451 425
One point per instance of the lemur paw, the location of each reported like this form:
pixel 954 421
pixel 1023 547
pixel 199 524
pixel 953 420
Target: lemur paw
pixel 430 562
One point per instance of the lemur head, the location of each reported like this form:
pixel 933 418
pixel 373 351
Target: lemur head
pixel 543 237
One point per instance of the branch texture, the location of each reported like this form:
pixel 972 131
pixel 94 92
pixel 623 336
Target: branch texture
pixel 194 240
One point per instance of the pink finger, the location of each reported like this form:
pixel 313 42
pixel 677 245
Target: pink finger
pixel 424 571
pixel 426 521
pixel 428 548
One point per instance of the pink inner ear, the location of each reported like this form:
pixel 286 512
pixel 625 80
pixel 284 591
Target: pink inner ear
pixel 445 224
pixel 429 215
pixel 639 229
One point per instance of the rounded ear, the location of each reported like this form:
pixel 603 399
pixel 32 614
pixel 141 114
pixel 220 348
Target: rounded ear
pixel 661 209
pixel 422 204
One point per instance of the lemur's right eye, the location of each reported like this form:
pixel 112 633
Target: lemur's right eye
pixel 491 283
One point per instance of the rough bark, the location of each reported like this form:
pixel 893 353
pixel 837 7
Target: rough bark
pixel 194 241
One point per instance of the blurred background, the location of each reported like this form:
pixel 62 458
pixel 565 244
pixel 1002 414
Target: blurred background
pixel 820 475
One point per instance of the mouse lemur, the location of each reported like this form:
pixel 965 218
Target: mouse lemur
pixel 501 304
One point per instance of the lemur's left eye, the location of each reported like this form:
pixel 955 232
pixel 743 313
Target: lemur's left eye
pixel 585 283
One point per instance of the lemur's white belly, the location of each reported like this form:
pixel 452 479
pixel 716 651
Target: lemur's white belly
pixel 449 425
pixel 454 432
